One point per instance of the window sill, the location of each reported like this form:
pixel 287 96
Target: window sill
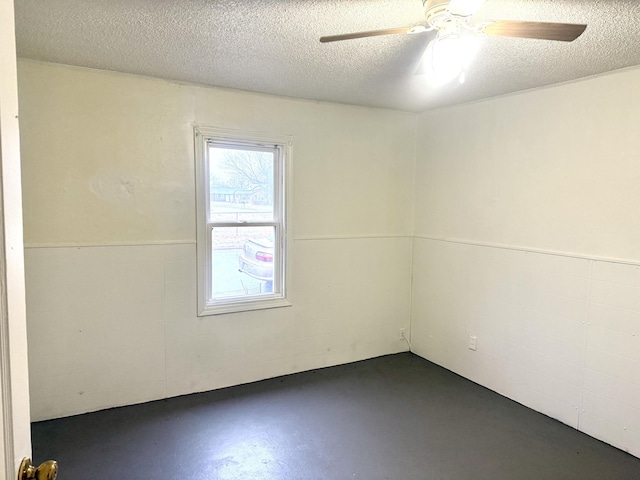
pixel 237 307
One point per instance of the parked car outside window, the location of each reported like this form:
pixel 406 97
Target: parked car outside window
pixel 256 260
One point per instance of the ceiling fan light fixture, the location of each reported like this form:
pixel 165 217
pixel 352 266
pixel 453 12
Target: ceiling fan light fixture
pixel 447 57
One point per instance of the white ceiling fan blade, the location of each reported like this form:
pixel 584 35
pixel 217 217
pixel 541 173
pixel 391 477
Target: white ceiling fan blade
pixel 464 8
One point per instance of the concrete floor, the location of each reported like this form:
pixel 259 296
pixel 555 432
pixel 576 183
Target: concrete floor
pixel 393 417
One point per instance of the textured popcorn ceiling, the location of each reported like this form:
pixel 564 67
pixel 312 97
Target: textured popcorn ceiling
pixel 272 46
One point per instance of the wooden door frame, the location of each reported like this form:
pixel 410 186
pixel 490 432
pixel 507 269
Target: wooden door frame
pixel 14 374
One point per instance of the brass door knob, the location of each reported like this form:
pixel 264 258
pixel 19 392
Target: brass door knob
pixel 46 471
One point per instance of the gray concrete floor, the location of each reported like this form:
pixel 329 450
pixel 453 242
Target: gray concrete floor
pixel 393 417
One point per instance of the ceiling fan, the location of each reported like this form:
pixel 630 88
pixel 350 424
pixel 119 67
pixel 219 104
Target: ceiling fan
pixel 447 56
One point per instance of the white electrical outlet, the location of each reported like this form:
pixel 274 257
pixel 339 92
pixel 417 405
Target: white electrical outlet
pixel 473 342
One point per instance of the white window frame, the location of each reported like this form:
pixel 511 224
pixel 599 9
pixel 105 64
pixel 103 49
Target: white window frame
pixel 204 136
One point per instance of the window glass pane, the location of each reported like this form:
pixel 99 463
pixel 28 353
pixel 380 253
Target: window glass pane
pixel 240 185
pixel 243 261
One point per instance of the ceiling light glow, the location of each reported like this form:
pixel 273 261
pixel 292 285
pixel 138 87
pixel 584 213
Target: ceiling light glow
pixel 447 58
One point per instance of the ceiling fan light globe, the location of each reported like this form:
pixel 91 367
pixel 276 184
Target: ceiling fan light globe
pixel 446 58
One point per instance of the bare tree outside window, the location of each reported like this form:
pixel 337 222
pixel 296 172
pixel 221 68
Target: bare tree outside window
pixel 250 171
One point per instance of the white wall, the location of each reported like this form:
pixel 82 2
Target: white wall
pixel 527 235
pixel 109 201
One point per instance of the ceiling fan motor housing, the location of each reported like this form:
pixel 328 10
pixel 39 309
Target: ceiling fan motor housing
pixel 434 8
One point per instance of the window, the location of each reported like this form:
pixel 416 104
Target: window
pixel 241 208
